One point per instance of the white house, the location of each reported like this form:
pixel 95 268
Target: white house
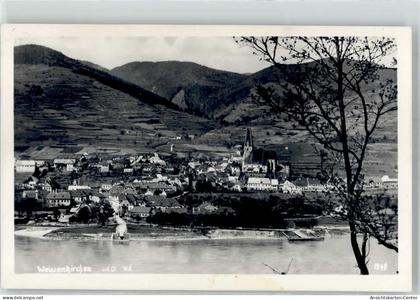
pixel 66 162
pixel 128 170
pixel 290 188
pixel 233 179
pixel 237 187
pixel 262 184
pixel 76 187
pixel 25 166
pixel 58 199
pixel 106 187
pixel 103 167
pixel 254 168
pixel 388 182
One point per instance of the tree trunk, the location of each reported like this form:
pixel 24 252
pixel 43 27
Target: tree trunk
pixel 360 258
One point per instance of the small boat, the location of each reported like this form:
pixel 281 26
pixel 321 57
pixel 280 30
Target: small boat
pixel 124 238
pixel 120 234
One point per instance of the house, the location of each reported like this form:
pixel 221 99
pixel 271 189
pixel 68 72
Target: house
pixel 283 170
pixel 388 182
pixel 301 184
pixel 67 163
pixel 31 194
pixel 75 187
pixel 103 167
pixel 105 187
pixel 127 203
pixel 262 184
pixel 289 187
pixel 44 214
pixel 64 218
pixel 95 196
pixel 46 186
pixel 128 170
pixel 311 185
pixel 148 193
pixel 237 187
pixel 157 186
pixel 25 166
pixel 128 200
pixel 31 182
pixel 79 196
pixel 140 212
pixel 58 199
pixel 117 190
pixel 163 204
pixel 232 178
pixel 371 183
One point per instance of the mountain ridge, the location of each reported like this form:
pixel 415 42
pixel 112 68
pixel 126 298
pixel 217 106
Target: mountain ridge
pixel 35 54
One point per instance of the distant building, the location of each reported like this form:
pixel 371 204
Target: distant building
pixel 105 187
pixel 233 179
pixel 32 194
pixel 311 185
pixel 289 187
pixel 79 196
pixel 128 170
pixel 58 199
pixel 388 182
pixel 140 212
pixel 262 184
pixel 76 187
pixel 25 166
pixel 103 167
pixel 67 163
pixel 237 187
pixel 163 204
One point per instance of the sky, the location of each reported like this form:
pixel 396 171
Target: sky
pixel 216 52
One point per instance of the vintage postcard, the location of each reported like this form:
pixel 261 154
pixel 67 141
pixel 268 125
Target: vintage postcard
pixel 242 158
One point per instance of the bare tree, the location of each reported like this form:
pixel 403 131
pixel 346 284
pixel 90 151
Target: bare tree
pixel 336 88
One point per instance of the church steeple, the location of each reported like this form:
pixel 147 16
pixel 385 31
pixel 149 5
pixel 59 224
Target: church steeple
pixel 248 139
pixel 248 147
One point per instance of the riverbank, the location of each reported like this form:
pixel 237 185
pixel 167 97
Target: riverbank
pixel 147 232
pixel 34 232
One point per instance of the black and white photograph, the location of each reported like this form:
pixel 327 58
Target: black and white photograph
pixel 180 153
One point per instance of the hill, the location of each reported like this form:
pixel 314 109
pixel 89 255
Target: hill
pixel 191 86
pixel 61 102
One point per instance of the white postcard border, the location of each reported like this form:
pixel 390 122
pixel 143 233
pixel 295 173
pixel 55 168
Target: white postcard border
pixel 214 282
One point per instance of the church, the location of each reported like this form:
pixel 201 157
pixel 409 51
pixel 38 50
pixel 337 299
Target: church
pixel 257 160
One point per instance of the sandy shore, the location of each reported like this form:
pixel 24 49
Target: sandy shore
pixel 35 232
pixel 147 233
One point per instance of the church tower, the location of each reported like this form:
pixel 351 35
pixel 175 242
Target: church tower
pixel 248 147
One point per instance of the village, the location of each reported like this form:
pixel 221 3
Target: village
pixel 152 188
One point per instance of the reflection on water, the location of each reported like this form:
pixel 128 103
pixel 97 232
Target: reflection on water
pixel 331 256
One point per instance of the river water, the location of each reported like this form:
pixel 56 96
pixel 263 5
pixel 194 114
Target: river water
pixel 227 256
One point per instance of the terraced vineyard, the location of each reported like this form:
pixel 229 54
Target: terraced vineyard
pixel 54 106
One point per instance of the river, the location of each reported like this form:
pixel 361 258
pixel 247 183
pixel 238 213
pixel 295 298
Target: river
pixel 224 256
